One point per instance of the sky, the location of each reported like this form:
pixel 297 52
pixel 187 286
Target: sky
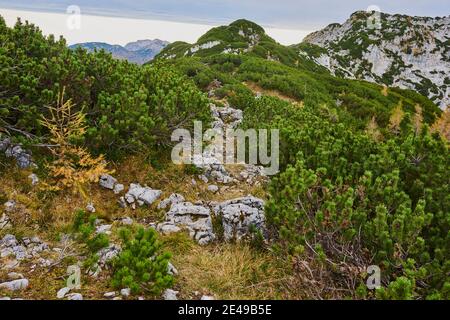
pixel 122 21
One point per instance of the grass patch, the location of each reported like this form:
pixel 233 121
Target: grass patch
pixel 228 271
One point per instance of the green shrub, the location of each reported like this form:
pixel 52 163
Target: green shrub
pixel 84 230
pixel 141 266
pixel 331 206
pixel 400 289
pixel 128 108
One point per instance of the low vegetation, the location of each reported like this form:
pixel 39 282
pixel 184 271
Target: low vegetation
pixel 141 266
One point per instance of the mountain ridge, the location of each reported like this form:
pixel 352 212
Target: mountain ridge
pixel 406 52
pixel 139 52
pixel 241 55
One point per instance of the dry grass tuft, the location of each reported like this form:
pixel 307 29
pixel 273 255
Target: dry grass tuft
pixel 228 271
pixel 273 93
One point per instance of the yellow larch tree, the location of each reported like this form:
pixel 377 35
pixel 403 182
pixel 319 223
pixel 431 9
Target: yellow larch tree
pixel 73 166
pixel 396 118
pixel 442 125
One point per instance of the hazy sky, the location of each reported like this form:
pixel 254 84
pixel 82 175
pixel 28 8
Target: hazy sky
pixel 288 21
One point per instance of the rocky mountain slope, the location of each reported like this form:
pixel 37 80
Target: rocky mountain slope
pixel 241 55
pixel 402 51
pixel 139 52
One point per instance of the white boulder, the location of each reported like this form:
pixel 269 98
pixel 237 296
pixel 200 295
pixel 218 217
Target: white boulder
pixel 15 285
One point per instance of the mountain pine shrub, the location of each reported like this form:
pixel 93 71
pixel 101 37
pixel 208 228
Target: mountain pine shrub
pixel 84 230
pixel 389 212
pixel 142 266
pixel 127 108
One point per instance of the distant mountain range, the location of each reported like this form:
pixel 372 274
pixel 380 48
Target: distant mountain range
pixel 138 52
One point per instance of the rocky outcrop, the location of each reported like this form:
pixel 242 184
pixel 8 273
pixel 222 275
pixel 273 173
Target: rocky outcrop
pixel 23 158
pixel 240 215
pixel 203 46
pixel 109 182
pixel 173 199
pixel 27 248
pixel 402 51
pixel 212 160
pixel 226 116
pixel 140 195
pixel 195 218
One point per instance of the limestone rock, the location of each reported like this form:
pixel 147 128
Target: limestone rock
pixel 172 270
pixel 34 179
pixel 142 195
pixel 211 160
pixel 110 295
pixel 15 276
pixel 118 188
pixel 239 215
pixel 418 63
pixel 22 157
pixel 107 181
pixel 4 222
pixel 10 206
pixel 213 188
pixel 167 228
pixel 107 254
pixel 74 296
pixel 27 249
pixel 104 228
pixel 8 241
pixel 173 199
pixel 127 221
pixel 195 218
pixel 90 208
pixel 15 285
pixel 170 294
pixel 4 143
pixel 62 292
pixel 125 292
